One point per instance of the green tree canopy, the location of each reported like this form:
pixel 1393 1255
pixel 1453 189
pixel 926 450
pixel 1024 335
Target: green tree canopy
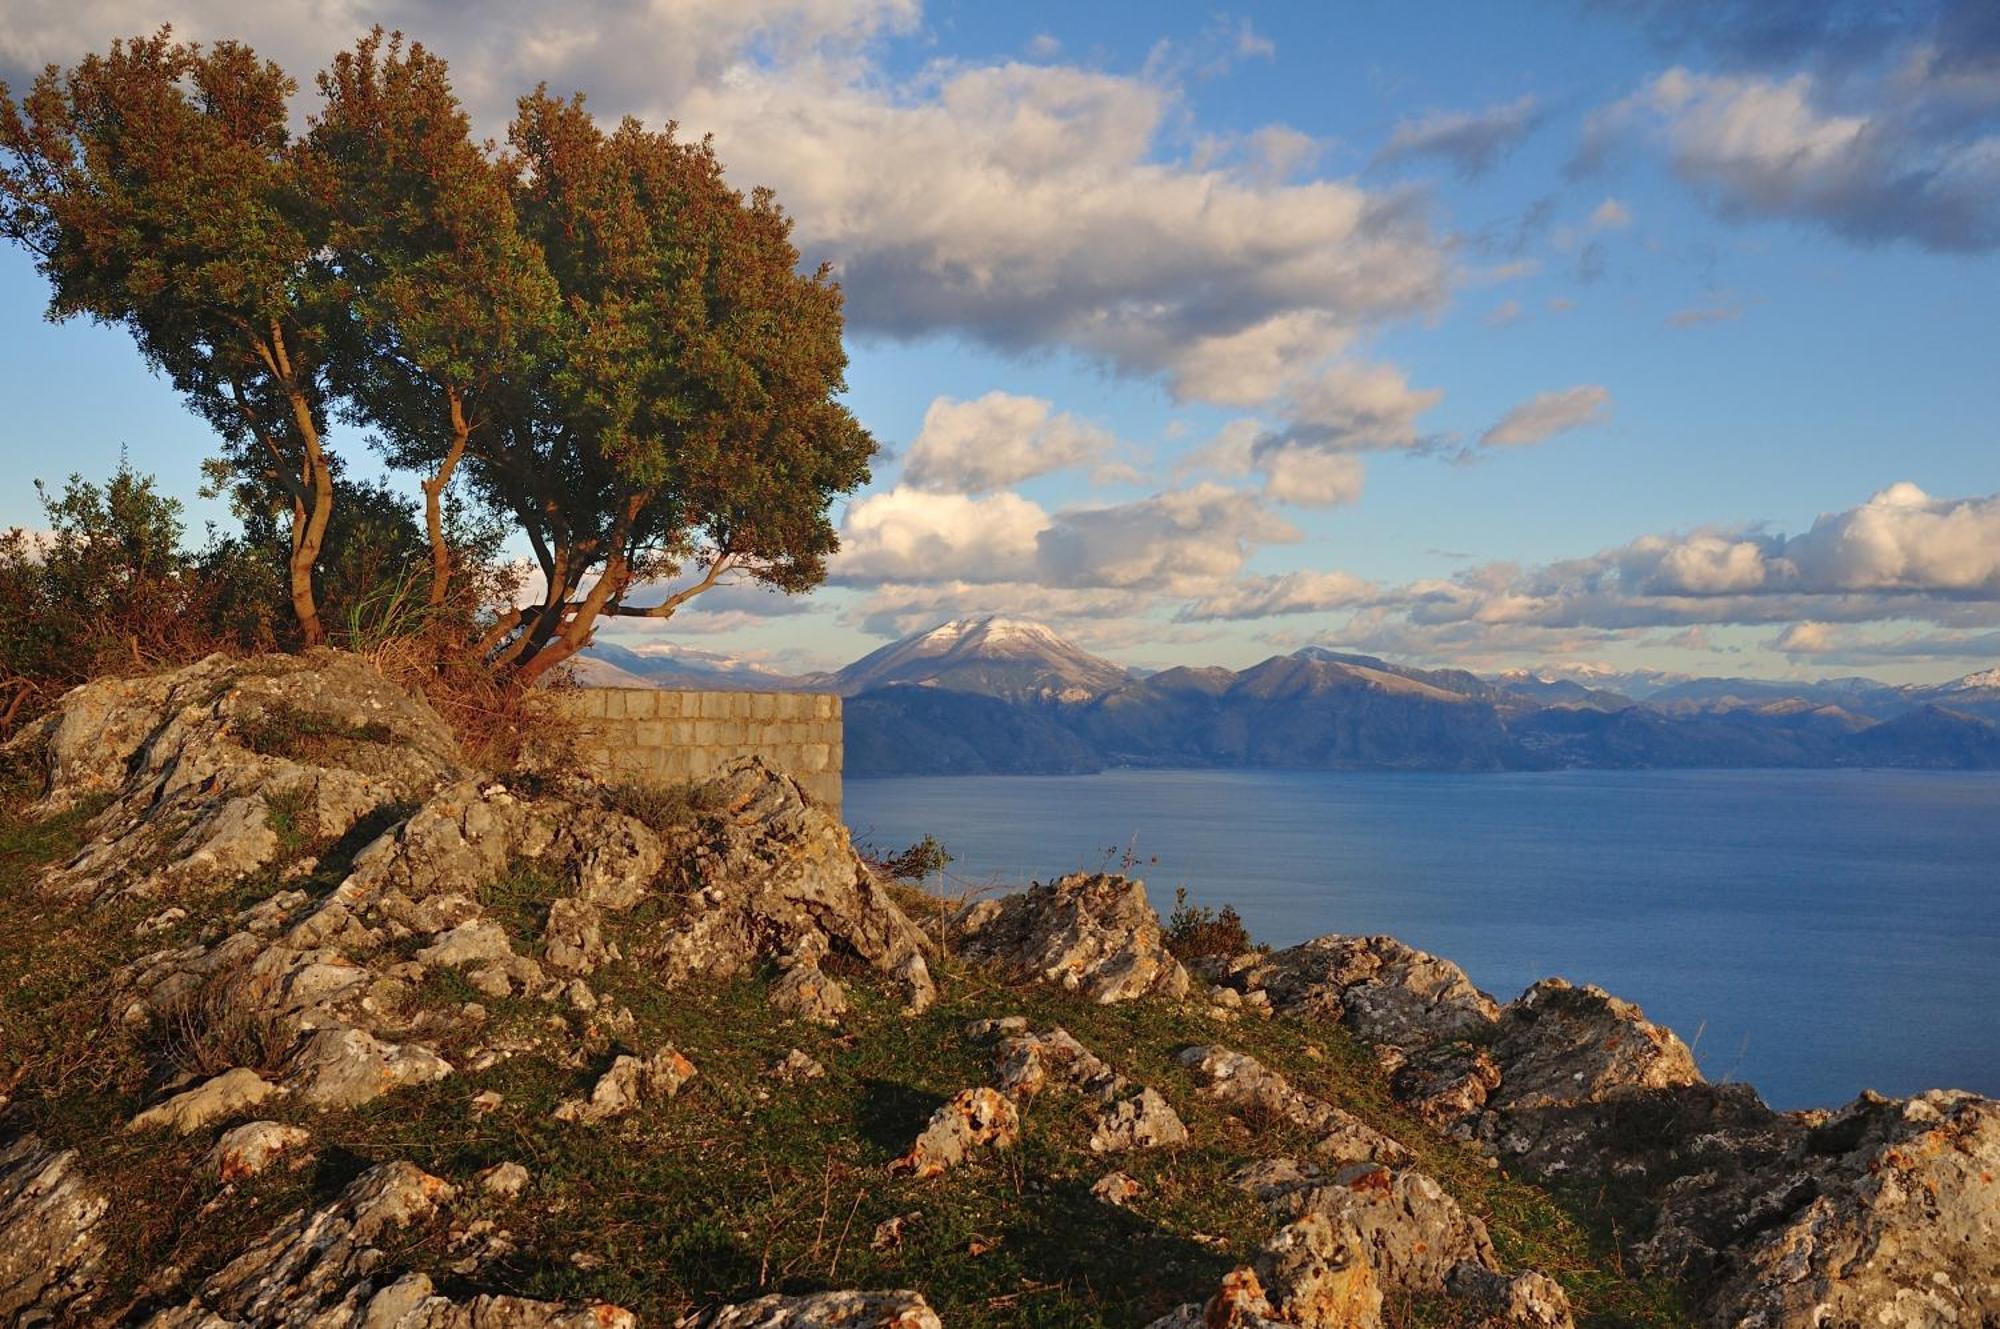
pixel 158 189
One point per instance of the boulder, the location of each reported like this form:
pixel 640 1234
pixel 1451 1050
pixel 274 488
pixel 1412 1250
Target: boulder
pixel 974 1119
pixel 1250 1090
pixel 246 1150
pixel 1089 932
pixel 53 1247
pixel 803 990
pixel 770 873
pixel 628 1083
pixel 823 1310
pixel 1117 1189
pixel 1559 1044
pixel 1522 1301
pixel 1383 990
pixel 1411 1231
pixel 229 1094
pixel 1143 1121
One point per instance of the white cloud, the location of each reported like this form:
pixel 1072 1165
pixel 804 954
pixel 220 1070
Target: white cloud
pixel 905 534
pixel 1304 592
pixel 1471 140
pixel 1914 155
pixel 1548 414
pixel 1310 477
pixel 1180 541
pixel 1029 206
pixel 997 440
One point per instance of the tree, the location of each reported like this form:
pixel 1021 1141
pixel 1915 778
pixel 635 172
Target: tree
pixel 445 307
pixel 687 422
pixel 157 187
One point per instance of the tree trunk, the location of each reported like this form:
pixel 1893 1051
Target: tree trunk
pixel 434 501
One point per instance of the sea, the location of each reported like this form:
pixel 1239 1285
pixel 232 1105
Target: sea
pixel 1815 933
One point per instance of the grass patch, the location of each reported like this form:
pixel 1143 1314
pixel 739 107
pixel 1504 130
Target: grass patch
pixel 281 730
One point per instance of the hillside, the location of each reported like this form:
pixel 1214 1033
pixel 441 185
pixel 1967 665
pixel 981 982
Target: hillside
pixel 342 1031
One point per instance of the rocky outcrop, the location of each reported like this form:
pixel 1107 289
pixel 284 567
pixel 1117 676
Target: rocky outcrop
pixel 1524 1301
pixel 254 1146
pixel 1092 933
pixel 1560 1044
pixel 824 1310
pixel 1379 988
pixel 1410 1228
pixel 1253 1091
pixel 52 1242
pixel 975 1119
pixel 1309 1274
pixel 1128 1115
pixel 199 762
pixel 1887 1212
pixel 771 873
pixel 628 1083
pixel 334 1265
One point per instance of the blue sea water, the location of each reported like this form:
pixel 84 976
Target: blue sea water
pixel 1812 932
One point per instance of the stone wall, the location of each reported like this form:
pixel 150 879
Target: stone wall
pixel 675 737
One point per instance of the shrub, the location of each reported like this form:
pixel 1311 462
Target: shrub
pixel 1194 931
pixel 919 862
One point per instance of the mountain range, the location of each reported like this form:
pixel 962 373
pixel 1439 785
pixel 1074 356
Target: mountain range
pixel 1000 695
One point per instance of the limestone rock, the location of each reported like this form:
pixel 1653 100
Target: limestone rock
pixel 327 1266
pixel 1117 1188
pixel 1561 1044
pixel 1447 1083
pixel 1411 1230
pixel 1887 1212
pixel 1130 1116
pixel 246 1150
pixel 504 1180
pixel 227 1095
pixel 1089 932
pixel 804 991
pixel 795 1067
pixel 771 873
pixel 1523 1301
pixel 823 1310
pixel 52 1247
pixel 1309 1275
pixel 193 796
pixel 629 1082
pixel 1247 1088
pixel 342 1068
pixel 975 1118
pixel 1383 990
pixel 1143 1121
pixel 1316 1276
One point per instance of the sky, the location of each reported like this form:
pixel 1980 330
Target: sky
pixel 1561 334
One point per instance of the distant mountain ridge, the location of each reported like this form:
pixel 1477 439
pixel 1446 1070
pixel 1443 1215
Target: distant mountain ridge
pixel 1003 695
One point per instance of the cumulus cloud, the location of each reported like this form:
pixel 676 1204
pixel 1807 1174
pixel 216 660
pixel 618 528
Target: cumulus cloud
pixel 1471 140
pixel 1029 206
pixel 997 440
pixel 1826 644
pixel 1914 157
pixel 906 534
pixel 1610 215
pixel 1180 541
pixel 626 56
pixel 1549 413
pixel 1309 477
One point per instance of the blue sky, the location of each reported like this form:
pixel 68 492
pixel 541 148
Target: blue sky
pixel 1622 334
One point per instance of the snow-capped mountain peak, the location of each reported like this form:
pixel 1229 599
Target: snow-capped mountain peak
pixel 1000 656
